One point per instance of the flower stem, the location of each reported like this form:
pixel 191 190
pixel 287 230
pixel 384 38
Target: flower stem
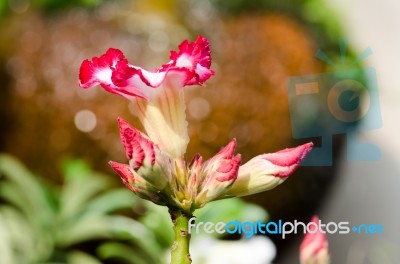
pixel 180 248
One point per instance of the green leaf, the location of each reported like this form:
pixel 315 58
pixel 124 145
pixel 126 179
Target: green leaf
pixel 134 231
pixel 79 257
pixel 158 220
pixel 111 201
pixel 87 228
pixel 33 199
pixel 24 241
pixel 78 191
pixel 75 169
pixel 120 251
pixel 6 252
pixel 9 193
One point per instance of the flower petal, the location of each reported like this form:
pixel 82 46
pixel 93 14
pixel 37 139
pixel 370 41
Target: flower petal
pixel 194 175
pixel 228 169
pixel 267 171
pixel 99 70
pixel 196 57
pixel 135 81
pixel 188 66
pixel 314 248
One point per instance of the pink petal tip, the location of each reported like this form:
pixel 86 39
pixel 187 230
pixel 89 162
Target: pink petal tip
pixel 290 158
pixel 124 171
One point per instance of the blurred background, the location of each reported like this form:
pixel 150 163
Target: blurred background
pixel 61 203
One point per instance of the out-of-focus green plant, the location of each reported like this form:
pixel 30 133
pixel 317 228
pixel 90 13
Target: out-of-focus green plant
pixel 3 8
pixel 40 223
pixel 59 4
pixel 321 20
pixel 48 6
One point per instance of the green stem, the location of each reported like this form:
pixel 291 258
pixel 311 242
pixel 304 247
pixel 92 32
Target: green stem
pixel 180 248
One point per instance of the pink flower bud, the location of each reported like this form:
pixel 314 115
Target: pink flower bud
pixel 145 158
pixel 218 174
pixel 267 171
pixel 314 248
pixel 137 184
pixel 139 149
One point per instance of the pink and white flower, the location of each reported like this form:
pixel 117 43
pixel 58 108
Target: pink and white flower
pixel 157 170
pixel 157 95
pixel 314 248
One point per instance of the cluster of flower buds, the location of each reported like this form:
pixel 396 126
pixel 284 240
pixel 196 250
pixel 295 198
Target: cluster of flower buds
pixel 157 170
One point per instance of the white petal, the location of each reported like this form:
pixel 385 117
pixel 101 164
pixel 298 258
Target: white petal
pixel 255 176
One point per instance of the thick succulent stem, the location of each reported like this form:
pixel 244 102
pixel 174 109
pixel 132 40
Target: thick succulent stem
pixel 180 248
